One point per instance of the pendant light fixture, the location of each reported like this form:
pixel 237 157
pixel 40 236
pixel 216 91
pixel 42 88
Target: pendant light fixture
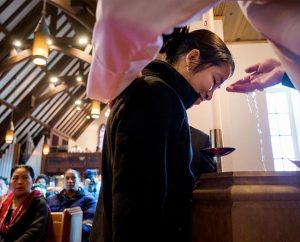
pixel 95 111
pixel 40 49
pixel 9 137
pixel 46 148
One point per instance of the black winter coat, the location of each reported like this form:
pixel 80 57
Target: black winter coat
pixel 33 227
pixel 146 179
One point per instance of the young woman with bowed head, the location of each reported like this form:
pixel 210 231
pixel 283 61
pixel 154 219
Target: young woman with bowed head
pixel 146 188
pixel 24 214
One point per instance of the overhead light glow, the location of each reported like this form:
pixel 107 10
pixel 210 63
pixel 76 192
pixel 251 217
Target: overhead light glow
pixel 79 78
pixel 83 40
pixel 53 79
pixel 78 102
pixel 17 43
pixel 40 46
pixel 95 112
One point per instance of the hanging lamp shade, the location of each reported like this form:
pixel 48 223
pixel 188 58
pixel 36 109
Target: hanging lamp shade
pixel 95 112
pixel 46 149
pixel 9 137
pixel 40 49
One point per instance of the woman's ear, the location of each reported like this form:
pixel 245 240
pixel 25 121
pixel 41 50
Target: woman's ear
pixel 193 56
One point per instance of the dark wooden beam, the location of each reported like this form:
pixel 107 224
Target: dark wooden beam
pixel 73 52
pixel 76 3
pixel 66 107
pixel 17 116
pixel 10 62
pixel 69 121
pixel 8 105
pixel 25 54
pixel 4 6
pixel 91 4
pixel 82 128
pixel 78 124
pixel 22 136
pixel 74 120
pixel 47 126
pixel 59 41
pixel 54 17
pixel 24 65
pixel 60 88
pixel 16 11
pixel 22 29
pixel 25 106
pixel 80 15
pixel 4 30
pixel 13 89
pixel 62 122
pixel 78 28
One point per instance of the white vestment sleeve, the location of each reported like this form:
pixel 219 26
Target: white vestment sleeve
pixel 127 36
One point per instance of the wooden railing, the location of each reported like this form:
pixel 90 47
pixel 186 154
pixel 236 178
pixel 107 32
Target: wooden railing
pixel 58 163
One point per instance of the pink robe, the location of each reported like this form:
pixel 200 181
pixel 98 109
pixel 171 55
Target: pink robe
pixel 127 36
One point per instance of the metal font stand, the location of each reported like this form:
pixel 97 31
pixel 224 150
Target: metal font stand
pixel 217 142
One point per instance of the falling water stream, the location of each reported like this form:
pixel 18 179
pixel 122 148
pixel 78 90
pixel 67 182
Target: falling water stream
pixel 253 107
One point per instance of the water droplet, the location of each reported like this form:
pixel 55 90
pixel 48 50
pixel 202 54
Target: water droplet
pixel 253 107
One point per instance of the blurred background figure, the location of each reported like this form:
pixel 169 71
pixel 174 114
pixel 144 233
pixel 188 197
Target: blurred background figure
pixel 72 196
pixel 42 179
pixel 76 149
pixel 41 183
pixel 3 186
pixel 91 182
pixel 24 214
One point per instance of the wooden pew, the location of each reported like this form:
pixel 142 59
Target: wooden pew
pixel 67 225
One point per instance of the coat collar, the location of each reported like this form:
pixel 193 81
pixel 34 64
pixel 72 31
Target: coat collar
pixel 169 75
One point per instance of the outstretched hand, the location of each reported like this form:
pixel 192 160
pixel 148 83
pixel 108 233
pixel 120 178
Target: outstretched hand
pixel 264 74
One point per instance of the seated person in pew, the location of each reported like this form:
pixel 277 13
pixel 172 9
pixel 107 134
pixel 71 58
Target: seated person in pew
pixel 72 196
pixel 24 214
pixel 201 163
pixel 90 182
pixel 3 186
pixel 41 183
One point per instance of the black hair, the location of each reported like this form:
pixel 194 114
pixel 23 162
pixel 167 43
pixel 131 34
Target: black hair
pixel 26 167
pixel 43 176
pixel 213 51
pixel 88 173
pixel 4 179
pixel 77 174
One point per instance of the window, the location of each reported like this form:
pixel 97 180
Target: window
pixel 283 115
pixel 65 142
pixel 101 137
pixel 55 140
